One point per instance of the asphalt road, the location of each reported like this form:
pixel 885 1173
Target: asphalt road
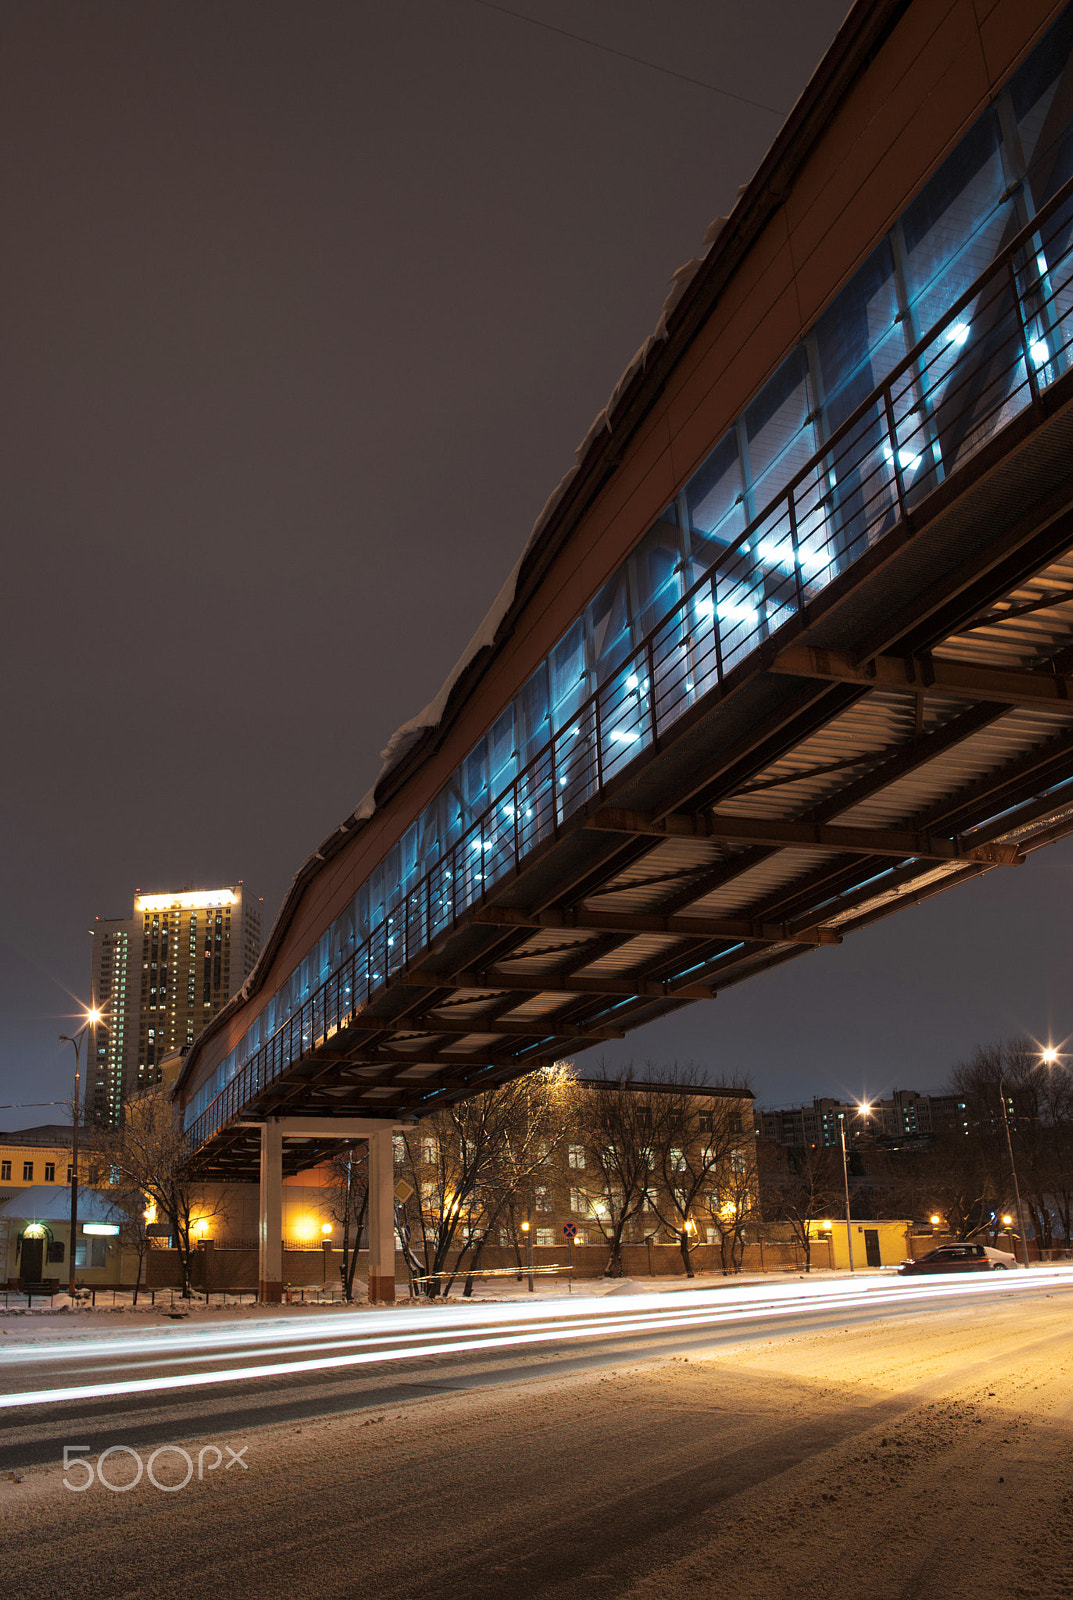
pixel 144 1387
pixel 786 1446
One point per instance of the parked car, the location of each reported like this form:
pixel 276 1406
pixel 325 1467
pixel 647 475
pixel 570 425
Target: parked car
pixel 964 1257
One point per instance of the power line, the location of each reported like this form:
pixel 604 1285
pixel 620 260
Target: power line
pixel 639 61
pixel 34 1105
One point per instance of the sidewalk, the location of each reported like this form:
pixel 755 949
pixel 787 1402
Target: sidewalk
pixel 63 1317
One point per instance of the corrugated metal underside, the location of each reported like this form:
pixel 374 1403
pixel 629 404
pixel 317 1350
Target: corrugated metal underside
pixel 870 755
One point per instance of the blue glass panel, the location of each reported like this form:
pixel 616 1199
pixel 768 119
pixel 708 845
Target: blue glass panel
pixel 778 438
pixel 568 676
pixel 474 783
pixel 624 708
pixel 657 567
pixel 608 617
pixel 953 228
pixel 532 709
pixel 857 343
pixel 1041 94
pixel 502 753
pixel 715 503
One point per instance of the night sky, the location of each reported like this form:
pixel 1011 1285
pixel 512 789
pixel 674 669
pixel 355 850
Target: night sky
pixel 308 307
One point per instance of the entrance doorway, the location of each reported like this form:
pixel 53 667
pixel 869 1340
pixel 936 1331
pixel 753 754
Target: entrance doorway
pixel 33 1260
pixel 871 1247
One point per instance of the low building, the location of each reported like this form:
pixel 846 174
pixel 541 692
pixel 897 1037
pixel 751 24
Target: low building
pixel 35 1238
pixel 875 1244
pixel 35 1156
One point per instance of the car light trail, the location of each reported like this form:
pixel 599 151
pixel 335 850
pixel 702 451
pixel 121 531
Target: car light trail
pixel 633 1314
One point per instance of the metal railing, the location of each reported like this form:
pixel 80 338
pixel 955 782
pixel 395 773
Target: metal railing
pixel 992 354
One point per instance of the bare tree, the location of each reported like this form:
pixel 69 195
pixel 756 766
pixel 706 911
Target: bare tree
pixel 802 1192
pixel 472 1163
pixel 624 1124
pixel 348 1201
pixel 133 1230
pixel 147 1154
pixel 703 1160
pixel 954 1174
pixel 1013 1102
pixel 732 1202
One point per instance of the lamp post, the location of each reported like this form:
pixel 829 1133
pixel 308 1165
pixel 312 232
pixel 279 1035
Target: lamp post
pixel 845 1180
pixel 93 1016
pixel 1050 1056
pixel 527 1230
pixel 1013 1170
pixel 862 1110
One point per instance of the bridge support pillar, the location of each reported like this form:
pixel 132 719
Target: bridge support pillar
pixel 270 1230
pixel 381 1218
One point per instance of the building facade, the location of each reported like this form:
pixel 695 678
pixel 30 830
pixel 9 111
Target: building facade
pixel 35 1157
pixel 904 1114
pixel 159 976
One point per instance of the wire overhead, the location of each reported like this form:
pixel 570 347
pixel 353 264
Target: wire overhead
pixel 638 61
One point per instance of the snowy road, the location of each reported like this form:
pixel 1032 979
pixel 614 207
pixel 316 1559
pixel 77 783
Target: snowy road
pixel 345 1360
pixel 881 1444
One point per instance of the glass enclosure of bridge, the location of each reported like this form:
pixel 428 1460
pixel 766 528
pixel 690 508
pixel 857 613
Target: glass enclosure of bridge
pixel 959 319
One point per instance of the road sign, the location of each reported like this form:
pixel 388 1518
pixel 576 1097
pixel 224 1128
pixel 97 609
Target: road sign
pixel 569 1230
pixel 403 1191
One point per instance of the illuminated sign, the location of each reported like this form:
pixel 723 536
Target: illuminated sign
pixel 100 1227
pixel 188 900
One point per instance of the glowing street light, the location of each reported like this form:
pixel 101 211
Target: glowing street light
pixel 93 1016
pixel 864 1109
pixel 527 1230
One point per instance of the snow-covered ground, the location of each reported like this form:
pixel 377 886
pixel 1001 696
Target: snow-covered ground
pixel 924 1458
pixel 117 1307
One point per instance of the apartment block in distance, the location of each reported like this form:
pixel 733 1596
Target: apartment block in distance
pixel 159 976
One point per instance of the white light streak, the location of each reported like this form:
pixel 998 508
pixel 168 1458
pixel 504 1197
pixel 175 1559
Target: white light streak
pixel 411 1337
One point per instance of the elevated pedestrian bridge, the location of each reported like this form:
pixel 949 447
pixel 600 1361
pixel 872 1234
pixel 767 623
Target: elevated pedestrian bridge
pixel 831 677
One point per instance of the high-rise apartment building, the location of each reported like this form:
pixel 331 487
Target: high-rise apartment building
pixel 159 976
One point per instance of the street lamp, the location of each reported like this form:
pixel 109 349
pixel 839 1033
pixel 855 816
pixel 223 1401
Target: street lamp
pixel 93 1016
pixel 527 1230
pixel 863 1110
pixel 1013 1169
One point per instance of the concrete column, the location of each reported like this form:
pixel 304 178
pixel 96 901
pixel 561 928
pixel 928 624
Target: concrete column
pixel 381 1218
pixel 270 1230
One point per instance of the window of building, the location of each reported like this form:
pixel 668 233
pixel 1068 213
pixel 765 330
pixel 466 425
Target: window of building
pixel 91 1253
pixel 27 1172
pixel 576 1156
pixel 5 1171
pixel 50 1172
pixel 579 1201
pixel 542 1198
pixel 545 1237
